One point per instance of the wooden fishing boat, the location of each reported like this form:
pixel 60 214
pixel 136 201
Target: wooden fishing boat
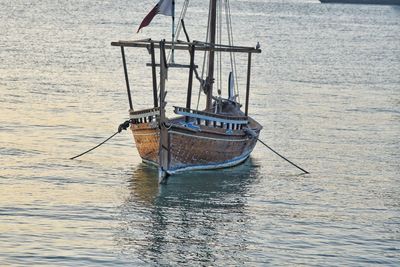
pixel 216 136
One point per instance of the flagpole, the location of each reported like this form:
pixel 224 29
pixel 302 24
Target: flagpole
pixel 173 31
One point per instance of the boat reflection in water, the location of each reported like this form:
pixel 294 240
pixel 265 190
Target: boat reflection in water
pixel 197 218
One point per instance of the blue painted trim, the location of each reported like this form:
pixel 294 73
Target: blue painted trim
pixel 226 164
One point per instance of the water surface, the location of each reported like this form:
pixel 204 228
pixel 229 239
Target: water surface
pixel 325 88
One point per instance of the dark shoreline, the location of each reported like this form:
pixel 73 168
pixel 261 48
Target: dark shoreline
pixel 370 2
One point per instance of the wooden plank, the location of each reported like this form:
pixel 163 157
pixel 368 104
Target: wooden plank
pixel 208 118
pixel 145 111
pixel 186 46
pixel 173 65
pixel 209 114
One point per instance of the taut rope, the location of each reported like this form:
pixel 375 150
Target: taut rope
pixel 122 126
pixel 252 134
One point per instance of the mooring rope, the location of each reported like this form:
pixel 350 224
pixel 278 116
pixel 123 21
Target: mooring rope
pixel 122 126
pixel 270 148
pixel 252 134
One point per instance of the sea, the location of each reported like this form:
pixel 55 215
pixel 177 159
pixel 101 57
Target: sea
pixel 326 89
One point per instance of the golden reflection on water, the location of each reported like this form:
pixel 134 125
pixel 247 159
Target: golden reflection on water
pixel 144 185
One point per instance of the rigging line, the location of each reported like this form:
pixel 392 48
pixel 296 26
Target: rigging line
pixel 234 56
pixel 177 31
pixel 220 42
pixel 217 70
pixel 229 18
pixel 179 22
pixel 204 59
pixel 230 43
pixel 216 57
pixel 188 40
pixel 229 39
pixel 181 17
pixel 179 28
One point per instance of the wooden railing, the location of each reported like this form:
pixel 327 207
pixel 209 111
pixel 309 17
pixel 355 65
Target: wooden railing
pixel 212 119
pixel 144 116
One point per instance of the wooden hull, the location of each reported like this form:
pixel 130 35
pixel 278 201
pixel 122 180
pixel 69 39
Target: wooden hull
pixel 194 148
pixel 190 150
pixel 147 138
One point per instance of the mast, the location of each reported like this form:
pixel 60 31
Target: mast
pixel 164 142
pixel 210 77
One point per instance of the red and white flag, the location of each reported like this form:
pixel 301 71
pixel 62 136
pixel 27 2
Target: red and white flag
pixel 164 7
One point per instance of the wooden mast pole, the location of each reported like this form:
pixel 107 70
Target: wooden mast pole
pixel 126 78
pixel 190 82
pixel 210 78
pixel 154 75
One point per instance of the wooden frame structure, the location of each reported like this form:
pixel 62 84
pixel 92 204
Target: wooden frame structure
pixel 151 45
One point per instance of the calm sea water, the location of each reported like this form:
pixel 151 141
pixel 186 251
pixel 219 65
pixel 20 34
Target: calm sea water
pixel 326 88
